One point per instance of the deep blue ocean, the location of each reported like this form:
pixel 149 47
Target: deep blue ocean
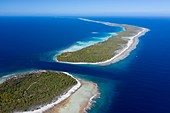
pixel 138 84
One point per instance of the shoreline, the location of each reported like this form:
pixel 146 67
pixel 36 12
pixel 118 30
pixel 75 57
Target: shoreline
pixel 95 96
pixel 75 93
pixel 130 46
pixel 112 34
pixel 59 100
pixel 84 44
pixel 87 102
pixel 79 102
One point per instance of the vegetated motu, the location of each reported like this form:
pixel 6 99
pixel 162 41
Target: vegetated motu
pixel 101 51
pixel 30 90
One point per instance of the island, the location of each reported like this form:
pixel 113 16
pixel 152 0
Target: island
pixel 43 91
pixel 112 50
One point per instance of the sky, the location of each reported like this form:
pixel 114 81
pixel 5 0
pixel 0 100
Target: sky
pixel 85 7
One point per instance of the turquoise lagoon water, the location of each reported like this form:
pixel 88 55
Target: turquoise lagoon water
pixel 137 84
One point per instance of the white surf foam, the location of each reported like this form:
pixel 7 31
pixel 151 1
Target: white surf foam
pixel 94 32
pixel 83 44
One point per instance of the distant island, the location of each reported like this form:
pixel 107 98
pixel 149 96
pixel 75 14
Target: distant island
pixel 112 50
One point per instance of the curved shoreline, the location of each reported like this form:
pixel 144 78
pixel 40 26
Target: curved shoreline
pixel 79 102
pixel 131 45
pixel 60 99
pixel 88 99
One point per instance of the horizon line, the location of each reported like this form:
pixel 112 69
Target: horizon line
pixel 84 15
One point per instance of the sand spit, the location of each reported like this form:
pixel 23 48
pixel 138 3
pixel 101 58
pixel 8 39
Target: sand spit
pixel 80 101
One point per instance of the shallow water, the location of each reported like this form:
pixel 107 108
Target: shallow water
pixel 137 84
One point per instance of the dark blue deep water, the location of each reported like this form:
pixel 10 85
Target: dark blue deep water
pixel 138 84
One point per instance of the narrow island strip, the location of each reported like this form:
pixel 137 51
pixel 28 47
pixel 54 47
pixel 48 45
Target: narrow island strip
pixel 40 91
pixel 110 51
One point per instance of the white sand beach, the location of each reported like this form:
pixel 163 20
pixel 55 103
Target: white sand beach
pixel 76 100
pixel 80 101
pixel 59 100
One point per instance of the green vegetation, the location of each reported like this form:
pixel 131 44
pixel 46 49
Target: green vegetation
pixel 129 31
pixel 95 53
pixel 101 51
pixel 29 90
